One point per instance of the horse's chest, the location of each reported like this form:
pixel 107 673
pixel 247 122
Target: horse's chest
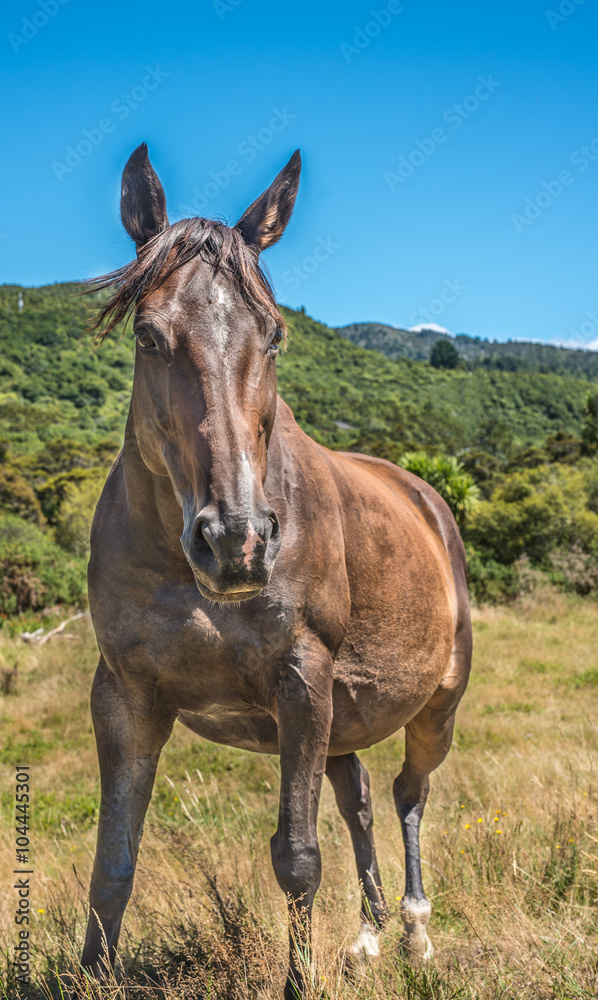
pixel 209 660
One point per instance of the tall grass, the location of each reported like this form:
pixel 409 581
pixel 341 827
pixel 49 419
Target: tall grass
pixel 510 838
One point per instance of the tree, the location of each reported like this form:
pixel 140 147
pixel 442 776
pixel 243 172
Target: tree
pixel 17 497
pixel 589 434
pixel 444 355
pixel 75 514
pixel 456 487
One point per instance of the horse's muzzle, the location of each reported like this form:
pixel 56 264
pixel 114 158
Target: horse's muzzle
pixel 232 558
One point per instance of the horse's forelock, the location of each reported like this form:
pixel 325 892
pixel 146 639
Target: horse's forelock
pixel 222 247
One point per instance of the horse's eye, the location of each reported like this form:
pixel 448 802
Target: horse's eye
pixel 276 339
pixel 145 341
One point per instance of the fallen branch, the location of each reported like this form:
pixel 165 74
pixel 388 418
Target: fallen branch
pixel 39 637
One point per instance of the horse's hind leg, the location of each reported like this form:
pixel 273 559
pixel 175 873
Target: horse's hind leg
pixel 129 740
pixel 351 785
pixel 428 739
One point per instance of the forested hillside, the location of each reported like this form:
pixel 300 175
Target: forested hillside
pixel 511 451
pixel 508 355
pixel 54 385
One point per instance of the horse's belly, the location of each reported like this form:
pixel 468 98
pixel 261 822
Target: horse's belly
pixel 254 730
pixel 364 713
pixel 382 682
pixel 362 716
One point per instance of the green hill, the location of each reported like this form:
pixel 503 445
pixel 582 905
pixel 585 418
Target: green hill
pixel 330 382
pixel 63 406
pixel 509 355
pixel 54 385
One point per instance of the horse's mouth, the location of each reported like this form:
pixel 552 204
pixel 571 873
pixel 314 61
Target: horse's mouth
pixel 231 597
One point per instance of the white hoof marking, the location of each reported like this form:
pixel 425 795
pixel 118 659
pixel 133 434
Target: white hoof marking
pixel 416 944
pixel 366 943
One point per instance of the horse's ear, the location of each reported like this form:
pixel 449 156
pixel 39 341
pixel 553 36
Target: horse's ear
pixel 265 221
pixel 142 199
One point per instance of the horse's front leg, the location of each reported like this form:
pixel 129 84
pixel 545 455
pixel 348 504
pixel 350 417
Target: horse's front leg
pixel 129 737
pixel 304 715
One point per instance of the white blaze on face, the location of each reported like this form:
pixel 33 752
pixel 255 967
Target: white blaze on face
pixel 221 329
pixel 250 542
pixel 245 483
pixel 245 487
pixel 221 295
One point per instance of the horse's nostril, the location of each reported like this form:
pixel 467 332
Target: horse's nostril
pixel 275 531
pixel 201 537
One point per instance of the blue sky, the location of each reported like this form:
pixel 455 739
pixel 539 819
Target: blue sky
pixel 444 176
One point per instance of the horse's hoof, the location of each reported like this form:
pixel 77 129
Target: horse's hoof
pixel 415 944
pixel 366 944
pixel 364 950
pixel 416 953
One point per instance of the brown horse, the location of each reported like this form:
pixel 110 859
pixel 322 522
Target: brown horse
pixel 268 593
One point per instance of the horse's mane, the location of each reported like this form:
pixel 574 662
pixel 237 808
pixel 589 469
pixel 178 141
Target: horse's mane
pixel 222 247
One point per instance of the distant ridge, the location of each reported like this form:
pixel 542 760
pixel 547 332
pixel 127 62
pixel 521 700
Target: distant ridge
pixel 510 355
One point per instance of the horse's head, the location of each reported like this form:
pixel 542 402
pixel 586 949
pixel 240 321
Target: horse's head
pixel 204 392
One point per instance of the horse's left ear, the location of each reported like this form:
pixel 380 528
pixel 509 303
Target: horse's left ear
pixel 142 199
pixel 265 221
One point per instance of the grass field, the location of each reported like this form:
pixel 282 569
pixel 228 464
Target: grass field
pixel 510 836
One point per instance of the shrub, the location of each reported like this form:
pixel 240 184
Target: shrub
pixel 490 582
pixel 17 497
pixel 535 512
pixel 574 570
pixel 75 513
pixel 448 478
pixel 589 434
pixel 34 571
pixel 55 490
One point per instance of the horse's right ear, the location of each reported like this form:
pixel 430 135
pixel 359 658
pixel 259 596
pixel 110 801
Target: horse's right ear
pixel 265 221
pixel 142 199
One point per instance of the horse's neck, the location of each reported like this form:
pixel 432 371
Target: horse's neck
pixel 151 499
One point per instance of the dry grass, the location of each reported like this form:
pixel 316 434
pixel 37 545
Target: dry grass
pixel 510 841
